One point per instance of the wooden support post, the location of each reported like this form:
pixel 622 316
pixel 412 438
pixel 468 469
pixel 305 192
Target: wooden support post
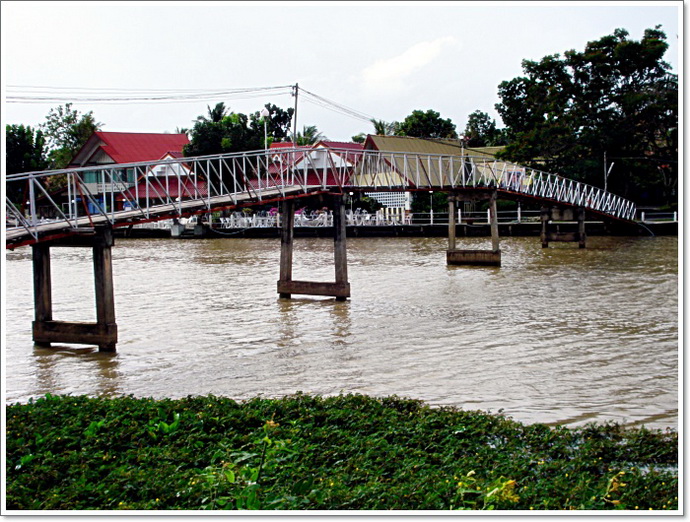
pixel 287 234
pixel 582 236
pixel 451 222
pixel 473 257
pixel 545 216
pixel 339 244
pixel 564 218
pixel 104 331
pixel 43 297
pixel 105 295
pixel 340 289
pixel 493 213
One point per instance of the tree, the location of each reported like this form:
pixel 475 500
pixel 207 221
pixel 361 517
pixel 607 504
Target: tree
pixel 481 131
pixel 25 151
pixel 385 128
pixel 66 131
pixel 278 123
pixel 616 99
pixel 310 135
pixel 381 128
pixel 427 124
pixel 216 114
pixel 222 131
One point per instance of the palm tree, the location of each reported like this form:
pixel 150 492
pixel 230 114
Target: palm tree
pixel 309 135
pixel 216 114
pixel 384 128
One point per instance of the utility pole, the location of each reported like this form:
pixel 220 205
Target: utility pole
pixel 607 172
pixel 294 131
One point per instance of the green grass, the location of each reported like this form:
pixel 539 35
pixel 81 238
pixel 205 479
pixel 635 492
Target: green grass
pixel 301 452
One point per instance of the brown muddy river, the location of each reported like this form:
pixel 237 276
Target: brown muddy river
pixel 558 335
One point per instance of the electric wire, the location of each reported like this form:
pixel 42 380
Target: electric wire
pixel 40 94
pixel 324 102
pixel 44 94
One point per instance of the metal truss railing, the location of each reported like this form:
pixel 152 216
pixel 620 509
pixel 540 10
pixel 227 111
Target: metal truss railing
pixel 39 202
pixel 386 170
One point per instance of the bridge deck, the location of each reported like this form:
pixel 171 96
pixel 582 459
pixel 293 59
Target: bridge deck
pixel 120 195
pixel 19 236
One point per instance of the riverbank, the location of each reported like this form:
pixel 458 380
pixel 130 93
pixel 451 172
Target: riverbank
pixel 524 229
pixel 349 452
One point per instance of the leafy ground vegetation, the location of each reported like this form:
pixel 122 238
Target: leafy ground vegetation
pixel 350 452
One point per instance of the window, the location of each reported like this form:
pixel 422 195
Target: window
pixel 90 176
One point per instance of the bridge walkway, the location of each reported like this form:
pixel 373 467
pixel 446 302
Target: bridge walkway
pixel 91 201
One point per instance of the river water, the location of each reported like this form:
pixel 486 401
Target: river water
pixel 558 335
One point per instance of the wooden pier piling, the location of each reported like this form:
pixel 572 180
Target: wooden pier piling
pixel 455 256
pixel 567 216
pixel 340 289
pixel 287 235
pixel 103 332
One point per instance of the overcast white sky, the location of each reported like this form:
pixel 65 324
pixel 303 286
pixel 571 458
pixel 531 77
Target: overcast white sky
pixel 381 59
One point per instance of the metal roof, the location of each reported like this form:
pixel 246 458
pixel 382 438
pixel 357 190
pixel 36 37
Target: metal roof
pixel 407 144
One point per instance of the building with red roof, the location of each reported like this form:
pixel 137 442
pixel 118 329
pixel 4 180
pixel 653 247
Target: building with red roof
pixel 113 148
pixel 104 148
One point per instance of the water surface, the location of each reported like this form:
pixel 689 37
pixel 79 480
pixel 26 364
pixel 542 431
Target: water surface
pixel 558 335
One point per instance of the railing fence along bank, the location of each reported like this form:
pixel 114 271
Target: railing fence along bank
pixel 94 200
pixel 238 220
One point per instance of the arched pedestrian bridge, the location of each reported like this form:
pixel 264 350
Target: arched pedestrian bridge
pixel 80 207
pixel 124 194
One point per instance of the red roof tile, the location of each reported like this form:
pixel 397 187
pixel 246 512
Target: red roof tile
pixel 128 147
pixel 341 145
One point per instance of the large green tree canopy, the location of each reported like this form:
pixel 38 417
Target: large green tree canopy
pixel 481 131
pixel 427 124
pixel 66 131
pixel 278 123
pixel 222 131
pixel 25 149
pixel 617 100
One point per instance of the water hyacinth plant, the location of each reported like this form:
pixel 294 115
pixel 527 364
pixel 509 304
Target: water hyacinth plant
pixel 349 452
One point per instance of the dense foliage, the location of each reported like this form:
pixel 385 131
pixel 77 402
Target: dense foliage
pixel 223 131
pixel 481 131
pixel 426 124
pixel 418 124
pixel 25 149
pixel 614 102
pixel 52 145
pixel 310 135
pixel 300 452
pixel 67 130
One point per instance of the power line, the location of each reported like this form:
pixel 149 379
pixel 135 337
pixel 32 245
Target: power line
pixel 95 96
pixel 324 102
pixel 41 94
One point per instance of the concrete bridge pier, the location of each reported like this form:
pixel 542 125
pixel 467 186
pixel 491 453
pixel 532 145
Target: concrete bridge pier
pixel 567 216
pixel 454 256
pixel 104 331
pixel 340 289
